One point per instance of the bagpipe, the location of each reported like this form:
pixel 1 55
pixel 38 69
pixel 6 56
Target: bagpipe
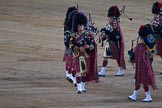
pixel 122 12
pixel 81 41
pixel 109 33
pixel 91 25
pixel 156 23
pixel 131 53
pixel 111 37
pixel 157 27
pixel 87 38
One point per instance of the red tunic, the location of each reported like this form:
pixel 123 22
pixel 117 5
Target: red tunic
pixel 144 72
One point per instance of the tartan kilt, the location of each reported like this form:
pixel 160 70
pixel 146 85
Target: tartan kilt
pixel 92 70
pixel 68 61
pixel 76 65
pixel 117 54
pixel 91 64
pixel 144 72
pixel 68 58
pixel 114 50
pixel 159 46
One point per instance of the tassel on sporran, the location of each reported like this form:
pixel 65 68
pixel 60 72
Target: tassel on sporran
pixel 82 64
pixel 108 51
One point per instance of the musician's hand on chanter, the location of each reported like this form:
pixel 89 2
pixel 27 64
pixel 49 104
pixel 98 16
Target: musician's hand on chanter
pixel 82 49
pixel 86 46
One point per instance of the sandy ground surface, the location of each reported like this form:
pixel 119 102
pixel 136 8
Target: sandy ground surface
pixel 32 73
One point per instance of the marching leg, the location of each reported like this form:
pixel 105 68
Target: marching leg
pixel 83 87
pixel 74 81
pixel 148 97
pixel 83 84
pixel 133 97
pixel 74 77
pixel 70 75
pixel 120 72
pixel 67 75
pixel 102 73
pixel 79 85
pixel 148 94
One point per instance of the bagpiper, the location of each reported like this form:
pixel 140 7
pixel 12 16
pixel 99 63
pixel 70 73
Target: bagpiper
pixel 114 46
pixel 144 51
pixel 68 51
pixel 84 54
pixel 157 24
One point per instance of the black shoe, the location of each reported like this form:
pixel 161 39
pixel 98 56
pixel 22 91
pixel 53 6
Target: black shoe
pixel 79 92
pixel 75 85
pixel 120 75
pixel 70 80
pixel 101 75
pixel 146 101
pixel 131 99
pixel 83 90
